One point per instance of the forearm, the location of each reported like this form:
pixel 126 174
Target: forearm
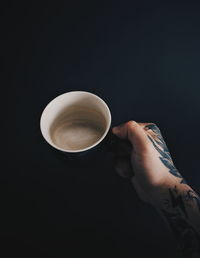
pixel 157 181
pixel 180 206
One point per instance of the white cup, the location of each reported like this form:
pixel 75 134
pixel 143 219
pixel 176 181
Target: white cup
pixel 75 122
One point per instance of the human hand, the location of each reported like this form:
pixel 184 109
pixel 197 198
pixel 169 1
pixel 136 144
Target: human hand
pixel 143 156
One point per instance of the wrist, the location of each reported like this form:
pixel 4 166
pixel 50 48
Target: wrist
pixel 160 192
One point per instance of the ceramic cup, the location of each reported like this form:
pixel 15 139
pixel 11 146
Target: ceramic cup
pixel 76 123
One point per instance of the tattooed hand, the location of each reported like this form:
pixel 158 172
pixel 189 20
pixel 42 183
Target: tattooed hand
pixel 147 158
pixel 142 155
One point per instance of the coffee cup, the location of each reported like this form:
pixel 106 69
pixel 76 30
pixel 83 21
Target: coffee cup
pixel 76 123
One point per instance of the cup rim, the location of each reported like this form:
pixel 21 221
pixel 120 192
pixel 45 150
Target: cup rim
pixel 84 149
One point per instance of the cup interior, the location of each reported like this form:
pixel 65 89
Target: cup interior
pixel 75 121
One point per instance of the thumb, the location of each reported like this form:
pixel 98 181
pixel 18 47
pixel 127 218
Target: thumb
pixel 133 132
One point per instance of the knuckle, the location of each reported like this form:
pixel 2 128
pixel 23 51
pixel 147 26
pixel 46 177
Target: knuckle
pixel 132 123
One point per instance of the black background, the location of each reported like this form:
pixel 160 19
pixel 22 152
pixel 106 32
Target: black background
pixel 142 58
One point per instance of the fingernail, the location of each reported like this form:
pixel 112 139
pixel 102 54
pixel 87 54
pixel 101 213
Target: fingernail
pixel 115 129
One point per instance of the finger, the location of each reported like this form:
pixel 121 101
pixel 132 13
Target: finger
pixel 153 131
pixel 134 133
pixel 150 128
pixel 143 196
pixel 145 125
pixel 123 166
pixel 122 148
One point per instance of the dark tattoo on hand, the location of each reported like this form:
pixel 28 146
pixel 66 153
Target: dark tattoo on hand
pixel 177 201
pixel 175 211
pixel 180 210
pixel 160 145
pixel 191 195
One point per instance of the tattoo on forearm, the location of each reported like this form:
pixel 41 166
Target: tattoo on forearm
pixel 160 145
pixel 177 214
pixel 181 207
pixel 192 196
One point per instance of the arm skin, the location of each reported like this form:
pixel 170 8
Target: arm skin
pixel 148 164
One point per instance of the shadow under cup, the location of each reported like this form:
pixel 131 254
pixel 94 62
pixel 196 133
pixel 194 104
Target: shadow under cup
pixel 75 122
